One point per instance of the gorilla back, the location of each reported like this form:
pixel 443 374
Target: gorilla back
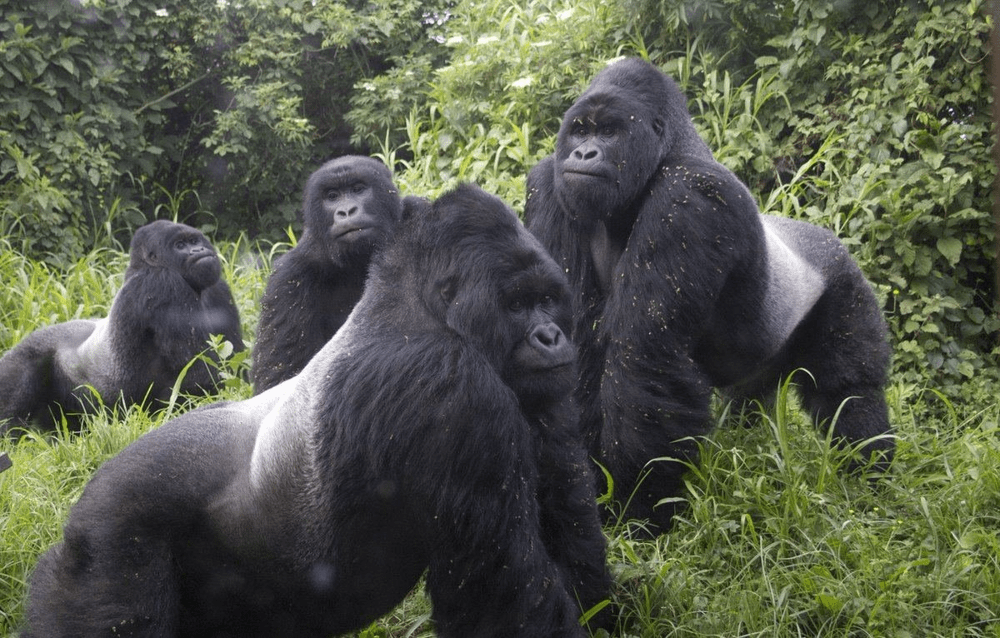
pixel 171 302
pixel 433 432
pixel 681 286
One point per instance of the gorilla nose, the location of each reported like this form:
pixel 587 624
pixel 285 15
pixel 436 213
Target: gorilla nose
pixel 344 213
pixel 547 336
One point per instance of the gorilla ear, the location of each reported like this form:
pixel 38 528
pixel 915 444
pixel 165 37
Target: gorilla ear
pixel 447 289
pixel 443 292
pixel 658 126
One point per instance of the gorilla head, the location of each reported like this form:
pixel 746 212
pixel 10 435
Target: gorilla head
pixel 529 347
pixel 616 135
pixel 350 207
pixel 177 247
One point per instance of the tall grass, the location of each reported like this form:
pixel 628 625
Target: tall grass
pixel 777 538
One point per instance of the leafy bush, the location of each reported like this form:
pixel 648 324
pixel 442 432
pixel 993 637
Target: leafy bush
pixel 492 111
pixel 868 118
pixel 214 113
pixel 899 105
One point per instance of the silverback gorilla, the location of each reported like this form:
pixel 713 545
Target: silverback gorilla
pixel 435 431
pixel 171 301
pixel 350 206
pixel 680 285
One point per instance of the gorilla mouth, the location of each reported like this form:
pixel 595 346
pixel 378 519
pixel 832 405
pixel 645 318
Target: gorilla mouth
pixel 554 368
pixel 351 231
pixel 568 173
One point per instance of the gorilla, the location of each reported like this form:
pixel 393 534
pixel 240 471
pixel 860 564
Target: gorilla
pixel 171 301
pixel 436 431
pixel 680 286
pixel 350 206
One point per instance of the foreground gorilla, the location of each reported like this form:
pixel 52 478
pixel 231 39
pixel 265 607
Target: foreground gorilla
pixel 350 206
pixel 680 285
pixel 434 431
pixel 172 300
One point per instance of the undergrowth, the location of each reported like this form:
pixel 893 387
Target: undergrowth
pixel 777 538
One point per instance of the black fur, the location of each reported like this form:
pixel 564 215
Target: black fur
pixel 172 300
pixel 350 206
pixel 680 285
pixel 434 432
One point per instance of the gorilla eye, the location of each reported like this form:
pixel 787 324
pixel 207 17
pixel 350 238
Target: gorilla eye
pixel 180 244
pixel 516 305
pixel 607 130
pixel 332 194
pixel 357 188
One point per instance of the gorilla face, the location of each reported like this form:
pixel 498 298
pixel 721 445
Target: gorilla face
pixel 196 260
pixel 607 150
pixel 528 344
pixel 179 247
pixel 512 303
pixel 541 366
pixel 352 206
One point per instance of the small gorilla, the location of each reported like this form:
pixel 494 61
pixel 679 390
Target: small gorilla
pixel 436 431
pixel 681 285
pixel 350 207
pixel 172 300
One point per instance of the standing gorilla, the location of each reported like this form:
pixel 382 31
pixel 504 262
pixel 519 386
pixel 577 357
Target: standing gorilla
pixel 350 207
pixel 435 431
pixel 680 285
pixel 172 300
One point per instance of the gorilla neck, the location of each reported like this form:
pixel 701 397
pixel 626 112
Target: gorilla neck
pixel 607 243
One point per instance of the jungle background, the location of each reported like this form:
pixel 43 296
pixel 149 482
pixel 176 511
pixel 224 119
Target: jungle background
pixel 872 119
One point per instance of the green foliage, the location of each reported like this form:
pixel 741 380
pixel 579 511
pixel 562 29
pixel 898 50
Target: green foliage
pixel 901 111
pixel 868 118
pixel 779 541
pixel 492 111
pixel 116 104
pixel 67 120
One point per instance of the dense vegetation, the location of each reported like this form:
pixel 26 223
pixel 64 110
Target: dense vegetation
pixel 869 118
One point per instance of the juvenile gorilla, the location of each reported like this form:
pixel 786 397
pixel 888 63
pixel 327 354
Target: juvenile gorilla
pixel 350 206
pixel 680 285
pixel 434 432
pixel 172 300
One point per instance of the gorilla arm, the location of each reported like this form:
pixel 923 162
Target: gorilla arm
pixel 296 288
pixel 160 320
pixel 544 217
pixel 694 242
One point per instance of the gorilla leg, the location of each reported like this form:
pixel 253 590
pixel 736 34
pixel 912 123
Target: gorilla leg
pixel 646 445
pixel 571 527
pixel 140 601
pixel 843 346
pixel 498 584
pixel 31 379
